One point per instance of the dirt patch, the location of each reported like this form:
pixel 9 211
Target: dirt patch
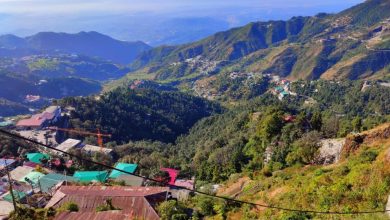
pixel 233 190
pixel 353 142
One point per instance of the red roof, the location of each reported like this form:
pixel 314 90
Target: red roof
pixel 172 173
pixel 136 202
pixel 36 120
pixel 112 215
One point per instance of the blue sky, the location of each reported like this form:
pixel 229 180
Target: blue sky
pixel 26 17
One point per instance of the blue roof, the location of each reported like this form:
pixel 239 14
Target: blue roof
pixel 6 162
pixel 128 167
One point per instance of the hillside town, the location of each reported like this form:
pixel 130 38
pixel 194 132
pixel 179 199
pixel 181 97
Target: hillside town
pixel 48 178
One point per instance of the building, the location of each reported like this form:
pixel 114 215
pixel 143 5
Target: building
pixel 91 149
pixel 6 164
pixel 20 172
pixel 133 202
pixel 172 174
pixel 41 120
pixel 89 176
pixel 55 110
pixel 37 157
pixel 5 209
pixel 52 181
pixel 131 180
pixel 128 167
pixel 37 121
pixel 32 178
pixel 68 144
pixel 188 184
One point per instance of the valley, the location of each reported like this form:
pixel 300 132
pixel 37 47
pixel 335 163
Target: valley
pixel 281 119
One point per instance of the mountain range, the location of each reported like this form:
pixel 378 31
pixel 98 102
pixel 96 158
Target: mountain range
pixel 91 44
pixel 352 44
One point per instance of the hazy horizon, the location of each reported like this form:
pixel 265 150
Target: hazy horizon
pixel 151 21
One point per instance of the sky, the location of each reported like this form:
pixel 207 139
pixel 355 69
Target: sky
pixel 130 19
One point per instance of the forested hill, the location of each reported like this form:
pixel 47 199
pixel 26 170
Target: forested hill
pixel 351 44
pixel 140 114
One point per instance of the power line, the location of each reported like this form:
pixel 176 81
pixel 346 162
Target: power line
pixel 13 135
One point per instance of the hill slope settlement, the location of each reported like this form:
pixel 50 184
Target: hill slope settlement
pixel 273 120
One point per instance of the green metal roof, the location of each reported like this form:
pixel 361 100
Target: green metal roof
pixel 35 157
pixel 88 176
pixel 33 176
pixel 18 196
pixel 128 167
pixel 50 180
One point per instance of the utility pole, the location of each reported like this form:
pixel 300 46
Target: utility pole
pixel 10 187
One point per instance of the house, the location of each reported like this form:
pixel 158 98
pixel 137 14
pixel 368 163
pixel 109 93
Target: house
pixel 5 209
pixel 128 167
pixel 133 202
pixel 131 180
pixel 50 182
pixel 172 174
pixel 55 110
pixel 89 176
pixel 20 172
pixel 91 149
pixel 19 196
pixel 32 178
pixel 188 184
pixel 6 164
pixel 68 144
pixel 37 157
pixel 282 95
pixel 37 121
pixel 41 120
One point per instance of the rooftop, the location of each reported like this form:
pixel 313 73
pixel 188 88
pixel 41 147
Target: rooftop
pixel 88 176
pixel 33 176
pixel 138 202
pixel 68 144
pixel 20 172
pixel 18 196
pixel 131 180
pixel 5 208
pixel 123 166
pixel 36 157
pixel 52 179
pixel 36 120
pixel 6 162
pixel 172 174
pixel 92 148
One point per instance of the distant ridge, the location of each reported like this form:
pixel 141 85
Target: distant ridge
pixel 84 43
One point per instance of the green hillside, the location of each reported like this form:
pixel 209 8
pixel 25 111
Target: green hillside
pixel 349 45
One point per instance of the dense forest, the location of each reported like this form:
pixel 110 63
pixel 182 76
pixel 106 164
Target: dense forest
pixel 139 114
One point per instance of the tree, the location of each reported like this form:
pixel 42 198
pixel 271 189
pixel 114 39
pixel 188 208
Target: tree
pixel 316 121
pixel 305 149
pixel 357 124
pixel 171 209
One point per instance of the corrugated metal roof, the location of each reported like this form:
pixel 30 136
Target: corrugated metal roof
pixel 19 172
pixel 36 157
pixel 52 179
pixel 34 176
pixel 123 166
pixel 88 176
pixel 134 201
pixel 107 215
pixel 131 180
pixel 5 208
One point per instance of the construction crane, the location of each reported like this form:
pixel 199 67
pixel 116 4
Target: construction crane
pixel 99 135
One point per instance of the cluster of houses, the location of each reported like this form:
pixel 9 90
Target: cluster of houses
pixel 38 181
pixel 35 183
pixel 282 88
